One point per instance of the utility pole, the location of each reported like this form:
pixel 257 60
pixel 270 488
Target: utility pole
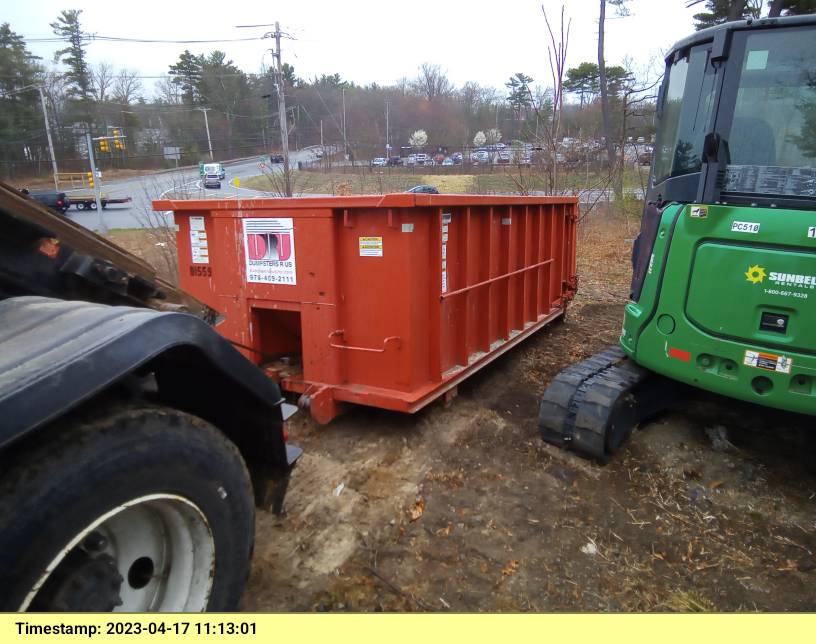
pixel 345 140
pixel 102 227
pixel 50 141
pixel 207 125
pixel 322 147
pixel 387 142
pixel 282 113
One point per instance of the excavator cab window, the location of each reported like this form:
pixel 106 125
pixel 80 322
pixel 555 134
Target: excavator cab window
pixel 772 134
pixel 685 113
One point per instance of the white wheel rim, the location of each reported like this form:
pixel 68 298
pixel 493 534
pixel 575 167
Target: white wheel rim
pixel 164 550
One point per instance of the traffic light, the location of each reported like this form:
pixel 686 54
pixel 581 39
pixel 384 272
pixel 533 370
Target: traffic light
pixel 90 179
pixel 103 145
pixel 117 142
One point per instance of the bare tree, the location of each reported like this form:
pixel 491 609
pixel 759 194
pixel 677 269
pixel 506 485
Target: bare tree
pixel 127 87
pixel 432 82
pixel 557 54
pixel 102 77
pixel 167 91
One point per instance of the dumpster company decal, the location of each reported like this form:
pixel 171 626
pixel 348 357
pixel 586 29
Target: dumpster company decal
pixel 198 241
pixel 446 219
pixel 371 247
pixel 269 244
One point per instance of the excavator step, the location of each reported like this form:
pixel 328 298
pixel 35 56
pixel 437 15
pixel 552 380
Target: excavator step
pixel 592 407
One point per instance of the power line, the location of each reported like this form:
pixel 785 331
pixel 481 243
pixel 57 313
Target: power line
pixel 95 37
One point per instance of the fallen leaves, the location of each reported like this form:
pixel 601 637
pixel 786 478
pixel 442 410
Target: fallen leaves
pixel 789 566
pixel 416 510
pixel 510 568
pixel 444 532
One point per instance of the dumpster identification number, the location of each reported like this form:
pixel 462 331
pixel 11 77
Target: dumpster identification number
pixel 269 246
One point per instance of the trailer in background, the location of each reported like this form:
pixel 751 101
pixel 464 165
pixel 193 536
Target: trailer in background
pixel 88 201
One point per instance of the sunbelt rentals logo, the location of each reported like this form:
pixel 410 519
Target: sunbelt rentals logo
pixel 757 274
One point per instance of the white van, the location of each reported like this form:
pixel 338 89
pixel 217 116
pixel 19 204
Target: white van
pixel 215 168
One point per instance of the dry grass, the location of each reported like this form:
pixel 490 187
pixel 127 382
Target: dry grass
pixel 605 240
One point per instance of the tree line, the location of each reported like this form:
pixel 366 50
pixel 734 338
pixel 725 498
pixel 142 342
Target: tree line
pixel 608 102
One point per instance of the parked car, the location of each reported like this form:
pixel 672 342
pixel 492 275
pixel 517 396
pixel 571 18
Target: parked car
pixel 411 159
pixel 447 161
pixel 58 201
pixel 421 158
pixel 457 158
pixel 212 181
pixel 394 161
pixel 424 189
pixel 503 158
pixel 439 159
pixel 276 158
pixel 379 162
pixel 645 157
pixel 480 156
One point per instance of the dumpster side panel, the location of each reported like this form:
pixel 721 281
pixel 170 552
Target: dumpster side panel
pixel 381 270
pixel 503 268
pixel 208 268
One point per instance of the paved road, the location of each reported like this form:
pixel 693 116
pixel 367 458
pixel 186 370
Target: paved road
pixel 138 213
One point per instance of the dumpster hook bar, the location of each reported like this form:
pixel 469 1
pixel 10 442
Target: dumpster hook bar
pixel 339 332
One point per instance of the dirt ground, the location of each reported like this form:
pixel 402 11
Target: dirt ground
pixel 464 508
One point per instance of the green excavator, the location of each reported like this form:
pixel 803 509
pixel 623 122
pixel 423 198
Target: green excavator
pixel 723 294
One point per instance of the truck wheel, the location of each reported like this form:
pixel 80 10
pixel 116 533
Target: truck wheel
pixel 142 509
pixel 80 205
pixel 92 205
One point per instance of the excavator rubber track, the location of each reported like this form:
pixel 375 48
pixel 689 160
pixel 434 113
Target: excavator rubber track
pixel 592 407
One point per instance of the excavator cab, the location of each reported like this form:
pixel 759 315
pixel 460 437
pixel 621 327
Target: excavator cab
pixel 724 269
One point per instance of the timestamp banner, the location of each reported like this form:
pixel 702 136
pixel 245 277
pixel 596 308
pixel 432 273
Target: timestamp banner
pixel 426 628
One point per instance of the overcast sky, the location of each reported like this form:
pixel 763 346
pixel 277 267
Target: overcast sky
pixel 364 40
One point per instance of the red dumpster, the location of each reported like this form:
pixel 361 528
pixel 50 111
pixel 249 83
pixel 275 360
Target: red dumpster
pixel 386 300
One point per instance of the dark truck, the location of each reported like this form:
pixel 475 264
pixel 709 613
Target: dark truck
pixel 58 201
pixel 135 442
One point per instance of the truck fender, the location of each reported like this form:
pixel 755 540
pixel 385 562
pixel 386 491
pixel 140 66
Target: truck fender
pixel 56 355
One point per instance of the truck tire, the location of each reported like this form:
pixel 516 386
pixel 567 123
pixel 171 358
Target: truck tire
pixel 80 205
pixel 137 509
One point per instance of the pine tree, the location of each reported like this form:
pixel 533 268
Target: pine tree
pixel 519 97
pixel 583 81
pixel 73 56
pixel 186 73
pixel 20 115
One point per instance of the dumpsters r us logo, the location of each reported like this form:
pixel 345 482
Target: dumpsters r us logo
pixel 269 245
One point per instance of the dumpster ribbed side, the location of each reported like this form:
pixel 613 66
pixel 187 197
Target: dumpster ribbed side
pixel 387 300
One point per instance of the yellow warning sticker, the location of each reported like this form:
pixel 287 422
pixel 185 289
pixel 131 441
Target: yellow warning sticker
pixel 698 212
pixel 371 246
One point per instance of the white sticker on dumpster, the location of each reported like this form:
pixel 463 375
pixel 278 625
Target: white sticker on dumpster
pixel 269 246
pixel 371 247
pixel 199 248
